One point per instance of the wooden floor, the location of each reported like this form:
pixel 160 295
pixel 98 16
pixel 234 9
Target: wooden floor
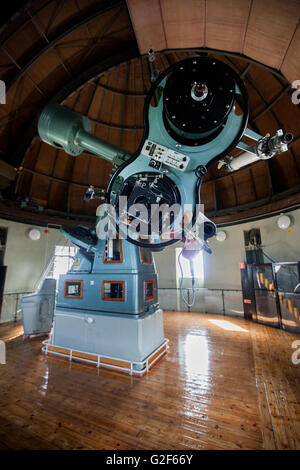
pixel 216 389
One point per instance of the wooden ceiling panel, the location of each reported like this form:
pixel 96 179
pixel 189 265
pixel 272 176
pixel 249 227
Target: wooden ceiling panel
pixel 80 169
pixel 126 141
pixel 184 23
pixel 46 160
pixel 147 24
pixel 58 196
pixel 95 97
pixel 102 131
pixel 57 78
pixel 32 154
pixel 296 150
pixel 83 4
pixel 245 189
pixel 270 30
pixel 98 172
pixel 261 179
pixel 226 24
pixel 24 184
pixel 269 86
pixel 106 109
pixel 208 196
pixel 83 97
pixel 19 44
pixel 65 10
pixel 76 199
pixel 74 43
pixel 255 100
pixel 284 172
pixel 39 189
pixel 291 63
pixel 18 93
pixel 90 208
pixel 112 20
pixel 43 17
pixel 288 114
pixel 63 165
pixel 41 69
pixel 225 194
pixel 71 100
pixel 114 136
pixel 267 123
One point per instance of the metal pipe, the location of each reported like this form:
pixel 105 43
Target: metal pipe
pixel 98 146
pixel 242 160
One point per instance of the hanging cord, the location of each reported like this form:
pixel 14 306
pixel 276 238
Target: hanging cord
pixel 188 304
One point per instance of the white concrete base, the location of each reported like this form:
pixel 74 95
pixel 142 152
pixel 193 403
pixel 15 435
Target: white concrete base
pixel 131 339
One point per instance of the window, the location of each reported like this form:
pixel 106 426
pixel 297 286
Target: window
pixel 113 291
pixel 63 260
pixel 73 289
pixel 3 237
pixel 149 290
pixel 146 255
pixel 198 266
pixel 113 251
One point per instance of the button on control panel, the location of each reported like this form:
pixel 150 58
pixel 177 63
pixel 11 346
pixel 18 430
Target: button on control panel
pixel 161 155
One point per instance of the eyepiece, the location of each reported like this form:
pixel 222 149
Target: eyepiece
pixel 287 138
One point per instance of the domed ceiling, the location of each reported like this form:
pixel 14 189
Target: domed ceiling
pixel 91 56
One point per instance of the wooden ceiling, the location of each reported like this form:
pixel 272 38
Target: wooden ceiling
pixel 90 56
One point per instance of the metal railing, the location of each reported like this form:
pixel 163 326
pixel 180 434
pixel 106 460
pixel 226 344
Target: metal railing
pixel 208 300
pixel 11 310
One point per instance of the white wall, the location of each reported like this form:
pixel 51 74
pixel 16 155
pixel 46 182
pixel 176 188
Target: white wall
pixel 222 267
pixel 25 260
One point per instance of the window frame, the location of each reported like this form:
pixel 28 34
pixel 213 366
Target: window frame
pixel 110 299
pixel 151 281
pixel 121 253
pixel 72 296
pixel 142 258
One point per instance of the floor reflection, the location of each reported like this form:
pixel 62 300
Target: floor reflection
pixel 44 385
pixel 196 355
pixel 227 325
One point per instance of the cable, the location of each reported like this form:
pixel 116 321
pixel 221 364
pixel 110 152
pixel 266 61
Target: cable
pixel 187 303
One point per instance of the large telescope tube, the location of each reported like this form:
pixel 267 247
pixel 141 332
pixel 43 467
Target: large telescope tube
pixel 65 129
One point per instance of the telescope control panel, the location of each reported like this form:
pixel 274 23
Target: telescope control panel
pixel 161 155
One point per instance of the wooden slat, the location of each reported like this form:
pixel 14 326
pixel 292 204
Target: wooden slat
pixel 291 63
pixel 184 23
pixel 226 24
pixel 147 24
pixel 240 392
pixel 270 30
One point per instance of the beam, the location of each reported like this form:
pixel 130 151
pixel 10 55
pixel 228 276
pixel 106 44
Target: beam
pixel 120 92
pixel 72 86
pixel 59 180
pixel 62 32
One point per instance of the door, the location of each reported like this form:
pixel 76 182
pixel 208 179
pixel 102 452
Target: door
pixel 248 291
pixel 288 285
pixel 267 307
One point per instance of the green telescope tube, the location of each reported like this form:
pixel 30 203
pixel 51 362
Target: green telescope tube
pixel 65 129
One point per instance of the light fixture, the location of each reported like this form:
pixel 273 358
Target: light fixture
pixel 221 236
pixel 34 234
pixel 283 221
